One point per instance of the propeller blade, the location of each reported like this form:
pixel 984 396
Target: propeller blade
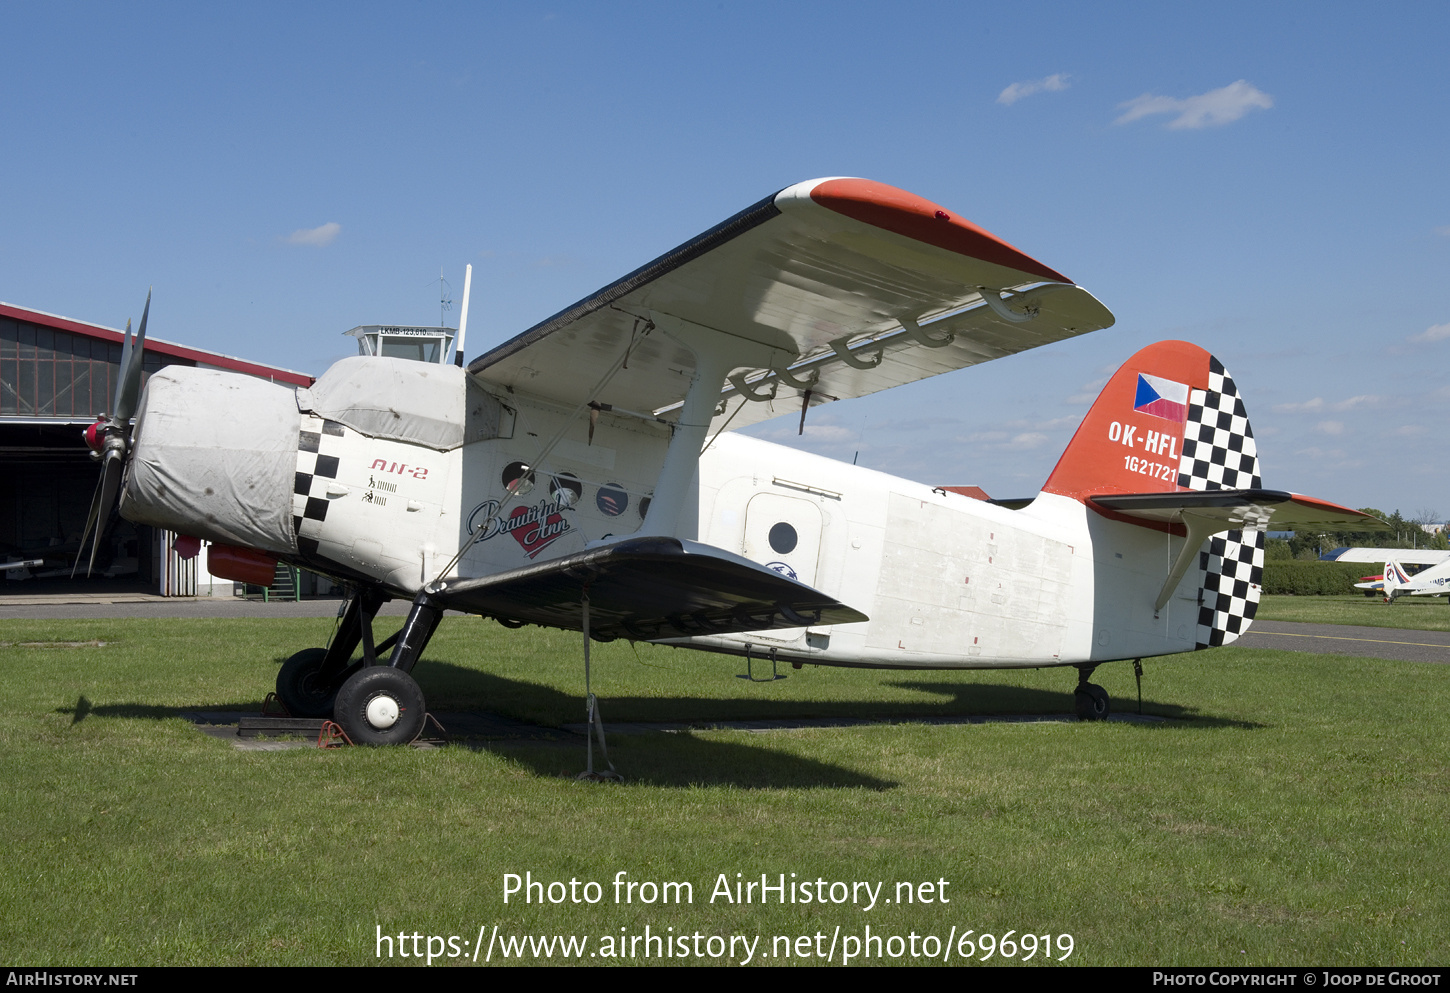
pixel 115 431
pixel 90 523
pixel 125 361
pixel 129 388
pixel 110 482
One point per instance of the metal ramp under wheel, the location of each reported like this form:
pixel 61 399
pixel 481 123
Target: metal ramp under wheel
pixel 323 731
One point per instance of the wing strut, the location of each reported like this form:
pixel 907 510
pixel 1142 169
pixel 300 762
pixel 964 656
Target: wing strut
pixel 1200 529
pixel 716 354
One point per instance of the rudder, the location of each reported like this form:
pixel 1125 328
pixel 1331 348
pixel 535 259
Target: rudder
pixel 1171 420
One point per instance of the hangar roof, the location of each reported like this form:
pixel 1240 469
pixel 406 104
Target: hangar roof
pixel 157 345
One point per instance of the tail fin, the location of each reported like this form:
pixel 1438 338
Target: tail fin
pixel 1395 577
pixel 1171 421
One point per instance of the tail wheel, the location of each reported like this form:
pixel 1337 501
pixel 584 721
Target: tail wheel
pixel 301 688
pixel 1091 702
pixel 380 705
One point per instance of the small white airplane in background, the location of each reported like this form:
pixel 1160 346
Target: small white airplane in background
pixel 1397 582
pixel 582 475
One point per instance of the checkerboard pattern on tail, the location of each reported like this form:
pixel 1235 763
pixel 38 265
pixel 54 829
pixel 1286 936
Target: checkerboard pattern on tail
pixel 319 448
pixel 1219 453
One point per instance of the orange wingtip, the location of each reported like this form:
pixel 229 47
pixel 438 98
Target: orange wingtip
pixel 914 217
pixel 1319 504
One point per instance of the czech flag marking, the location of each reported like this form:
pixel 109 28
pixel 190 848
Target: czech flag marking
pixel 1162 398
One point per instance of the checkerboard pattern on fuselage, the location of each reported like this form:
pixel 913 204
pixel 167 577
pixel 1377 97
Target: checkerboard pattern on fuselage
pixel 1219 454
pixel 319 449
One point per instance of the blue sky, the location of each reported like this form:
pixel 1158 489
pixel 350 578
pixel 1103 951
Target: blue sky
pixel 1268 181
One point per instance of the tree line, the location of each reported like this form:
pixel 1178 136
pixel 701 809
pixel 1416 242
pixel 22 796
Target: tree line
pixel 1405 532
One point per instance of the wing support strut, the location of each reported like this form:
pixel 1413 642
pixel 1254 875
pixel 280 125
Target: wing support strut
pixel 1200 529
pixel 716 354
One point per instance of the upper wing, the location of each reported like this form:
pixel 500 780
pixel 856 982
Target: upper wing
pixel 853 286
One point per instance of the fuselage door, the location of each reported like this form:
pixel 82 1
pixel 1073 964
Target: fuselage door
pixel 784 533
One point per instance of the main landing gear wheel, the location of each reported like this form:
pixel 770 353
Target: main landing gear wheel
pixel 1091 702
pixel 301 688
pixel 380 705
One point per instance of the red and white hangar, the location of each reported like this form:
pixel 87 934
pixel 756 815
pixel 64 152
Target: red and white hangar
pixel 57 374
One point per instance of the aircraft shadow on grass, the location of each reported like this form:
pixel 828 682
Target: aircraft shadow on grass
pixel 458 688
pixel 530 709
pixel 659 760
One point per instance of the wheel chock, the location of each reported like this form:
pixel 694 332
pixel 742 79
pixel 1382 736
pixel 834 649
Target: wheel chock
pixel 332 736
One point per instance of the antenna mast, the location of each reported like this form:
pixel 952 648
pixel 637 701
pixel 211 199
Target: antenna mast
pixel 463 318
pixel 444 300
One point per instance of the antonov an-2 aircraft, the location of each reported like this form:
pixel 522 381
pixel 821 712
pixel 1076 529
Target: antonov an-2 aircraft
pixel 583 475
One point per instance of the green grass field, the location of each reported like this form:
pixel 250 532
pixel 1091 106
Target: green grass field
pixel 1419 613
pixel 1292 811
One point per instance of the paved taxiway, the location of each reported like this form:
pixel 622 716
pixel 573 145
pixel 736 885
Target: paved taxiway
pixel 1343 639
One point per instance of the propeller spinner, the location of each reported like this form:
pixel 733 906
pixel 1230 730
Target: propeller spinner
pixel 109 437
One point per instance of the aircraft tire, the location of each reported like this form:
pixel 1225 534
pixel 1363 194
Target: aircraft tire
pixel 299 689
pixel 380 705
pixel 1091 702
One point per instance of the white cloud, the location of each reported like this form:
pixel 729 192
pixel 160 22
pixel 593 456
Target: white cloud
pixel 1048 84
pixel 1317 404
pixel 1216 107
pixel 829 433
pixel 1331 427
pixel 1089 391
pixel 1307 407
pixel 1410 430
pixel 318 237
pixel 1435 332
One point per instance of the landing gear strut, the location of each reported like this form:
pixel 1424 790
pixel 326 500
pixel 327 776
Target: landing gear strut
pixel 309 681
pixel 380 704
pixel 375 703
pixel 1089 699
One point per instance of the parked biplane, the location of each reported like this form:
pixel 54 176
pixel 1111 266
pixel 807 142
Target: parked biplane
pixel 585 474
pixel 1399 581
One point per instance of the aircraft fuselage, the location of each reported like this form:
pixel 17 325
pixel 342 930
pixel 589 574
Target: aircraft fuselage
pixel 946 580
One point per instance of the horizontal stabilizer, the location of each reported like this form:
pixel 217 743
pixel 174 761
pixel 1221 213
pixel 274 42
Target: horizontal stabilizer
pixel 1199 515
pixel 1234 509
pixel 648 588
